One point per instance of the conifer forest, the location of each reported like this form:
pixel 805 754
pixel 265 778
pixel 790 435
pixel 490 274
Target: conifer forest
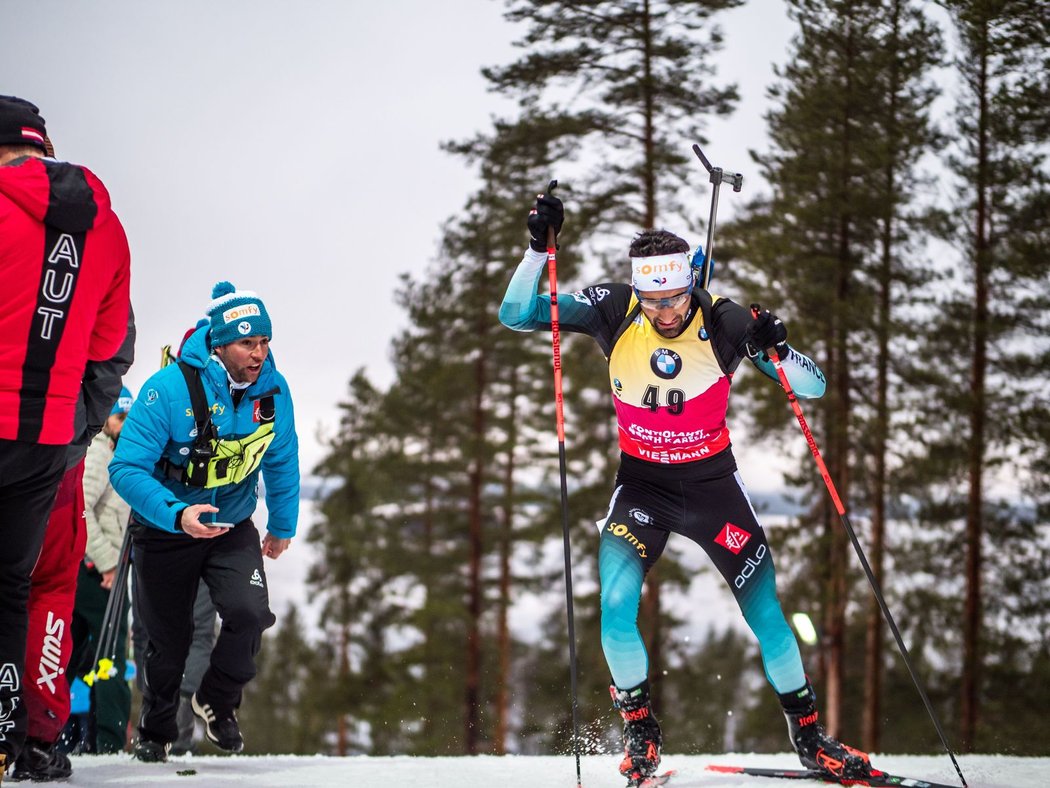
pixel 908 252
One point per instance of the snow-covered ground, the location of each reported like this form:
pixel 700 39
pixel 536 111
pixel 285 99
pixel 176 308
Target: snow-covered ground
pixel 981 771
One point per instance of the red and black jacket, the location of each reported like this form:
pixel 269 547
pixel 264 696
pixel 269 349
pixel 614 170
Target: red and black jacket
pixel 65 276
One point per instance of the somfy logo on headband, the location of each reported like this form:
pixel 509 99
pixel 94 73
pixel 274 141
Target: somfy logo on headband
pixel 661 272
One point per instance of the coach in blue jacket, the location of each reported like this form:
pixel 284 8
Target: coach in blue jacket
pixel 188 461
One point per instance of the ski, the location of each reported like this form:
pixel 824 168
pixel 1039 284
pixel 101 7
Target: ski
pixel 652 782
pixel 878 779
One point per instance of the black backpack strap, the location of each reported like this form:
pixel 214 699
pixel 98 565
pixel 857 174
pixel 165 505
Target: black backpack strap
pixel 702 300
pixel 202 451
pixel 627 320
pixel 198 399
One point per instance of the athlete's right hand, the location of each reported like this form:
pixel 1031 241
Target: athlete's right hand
pixel 548 212
pixel 192 525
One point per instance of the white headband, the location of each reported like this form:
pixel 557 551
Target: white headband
pixel 663 272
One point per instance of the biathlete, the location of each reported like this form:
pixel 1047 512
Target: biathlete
pixel 672 349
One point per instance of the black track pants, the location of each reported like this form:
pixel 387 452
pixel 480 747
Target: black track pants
pixel 713 510
pixel 29 477
pixel 167 569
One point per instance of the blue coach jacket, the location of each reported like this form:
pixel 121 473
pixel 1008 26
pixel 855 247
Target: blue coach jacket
pixel 161 426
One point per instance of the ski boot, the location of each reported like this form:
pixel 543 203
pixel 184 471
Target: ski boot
pixel 815 748
pixel 641 733
pixel 41 762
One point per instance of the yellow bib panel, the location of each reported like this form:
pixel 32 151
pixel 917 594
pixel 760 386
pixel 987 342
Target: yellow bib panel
pixel 671 395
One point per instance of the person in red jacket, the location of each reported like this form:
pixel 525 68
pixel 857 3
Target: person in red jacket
pixel 65 268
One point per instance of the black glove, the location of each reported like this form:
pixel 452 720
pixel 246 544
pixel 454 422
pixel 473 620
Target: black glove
pixel 547 213
pixel 767 331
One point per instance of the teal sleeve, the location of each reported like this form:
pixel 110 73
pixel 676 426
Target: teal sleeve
pixel 803 374
pixel 523 309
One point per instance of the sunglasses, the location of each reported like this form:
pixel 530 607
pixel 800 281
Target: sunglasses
pixel 671 302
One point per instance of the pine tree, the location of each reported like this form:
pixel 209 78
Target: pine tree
pixel 911 47
pixel 990 328
pixel 362 575
pixel 828 246
pixel 282 710
pixel 630 82
pixel 434 462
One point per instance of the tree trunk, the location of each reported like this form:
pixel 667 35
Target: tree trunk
pixel 431 714
pixel 969 709
pixel 344 673
pixel 840 427
pixel 871 729
pixel 651 599
pixel 505 543
pixel 474 591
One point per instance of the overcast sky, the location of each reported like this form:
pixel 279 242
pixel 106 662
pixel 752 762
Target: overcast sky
pixel 292 148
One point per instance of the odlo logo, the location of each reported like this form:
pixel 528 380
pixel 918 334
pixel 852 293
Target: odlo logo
pixel 621 530
pixel 51 653
pixel 750 566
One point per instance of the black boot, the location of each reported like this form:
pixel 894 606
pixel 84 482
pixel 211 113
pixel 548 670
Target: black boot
pixel 41 762
pixel 815 748
pixel 149 751
pixel 642 738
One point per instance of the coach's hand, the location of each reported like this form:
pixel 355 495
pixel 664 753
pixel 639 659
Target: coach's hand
pixel 189 521
pixel 273 546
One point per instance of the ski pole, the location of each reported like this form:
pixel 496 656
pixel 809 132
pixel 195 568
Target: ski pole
pixel 716 175
pixel 786 385
pixel 106 650
pixel 552 266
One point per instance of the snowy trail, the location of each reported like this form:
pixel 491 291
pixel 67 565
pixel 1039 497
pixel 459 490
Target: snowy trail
pixel 982 771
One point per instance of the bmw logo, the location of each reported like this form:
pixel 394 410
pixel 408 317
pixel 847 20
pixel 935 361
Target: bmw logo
pixel 665 363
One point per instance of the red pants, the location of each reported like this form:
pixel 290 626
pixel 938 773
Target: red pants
pixel 52 591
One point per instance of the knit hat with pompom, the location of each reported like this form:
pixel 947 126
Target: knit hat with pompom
pixel 236 314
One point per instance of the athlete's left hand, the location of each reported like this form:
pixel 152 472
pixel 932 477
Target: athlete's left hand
pixel 273 546
pixel 766 331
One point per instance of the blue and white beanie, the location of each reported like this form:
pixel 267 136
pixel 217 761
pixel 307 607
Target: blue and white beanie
pixel 236 314
pixel 123 403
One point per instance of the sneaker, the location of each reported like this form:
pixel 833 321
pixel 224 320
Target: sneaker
pixel 642 737
pixel 220 727
pixel 149 751
pixel 815 748
pixel 41 762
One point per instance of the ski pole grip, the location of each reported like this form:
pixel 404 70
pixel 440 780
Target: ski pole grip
pixel 772 351
pixel 552 237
